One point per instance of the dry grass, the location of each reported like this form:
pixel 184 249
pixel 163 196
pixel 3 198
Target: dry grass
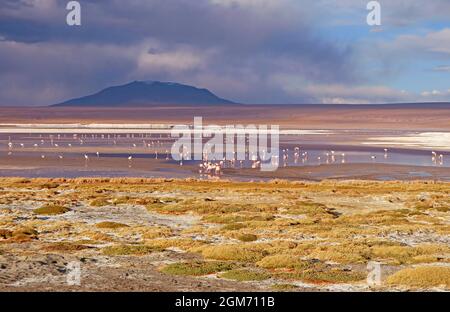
pixel 99 202
pixel 110 225
pixel 247 237
pixel 19 235
pixel 321 233
pixel 233 226
pixel 127 250
pixel 181 243
pixel 234 218
pixel 319 276
pixel 286 261
pixel 422 277
pixel 51 209
pixel 197 268
pixel 239 252
pixel 65 247
pixel 5 234
pixel 145 232
pixel 243 275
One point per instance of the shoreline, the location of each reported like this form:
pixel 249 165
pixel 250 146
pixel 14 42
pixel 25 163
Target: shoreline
pixel 412 118
pixel 142 169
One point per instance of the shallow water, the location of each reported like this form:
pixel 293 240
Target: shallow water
pixel 312 156
pixel 316 148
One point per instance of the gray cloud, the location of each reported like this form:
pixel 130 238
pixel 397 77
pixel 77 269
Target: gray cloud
pixel 254 51
pixel 442 68
pixel 234 48
pixel 398 13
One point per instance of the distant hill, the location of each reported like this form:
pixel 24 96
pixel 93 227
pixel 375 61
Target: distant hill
pixel 147 93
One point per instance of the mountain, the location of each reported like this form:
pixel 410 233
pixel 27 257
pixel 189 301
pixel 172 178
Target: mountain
pixel 147 93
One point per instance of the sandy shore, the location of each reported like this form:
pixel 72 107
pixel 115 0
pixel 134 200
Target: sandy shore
pixel 34 166
pixel 426 118
pixel 381 172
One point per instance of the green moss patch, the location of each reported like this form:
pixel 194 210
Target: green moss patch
pixel 197 268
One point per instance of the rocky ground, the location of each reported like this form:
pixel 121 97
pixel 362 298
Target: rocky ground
pixel 189 235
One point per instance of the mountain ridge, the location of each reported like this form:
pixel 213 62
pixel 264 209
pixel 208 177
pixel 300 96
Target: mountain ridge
pixel 146 94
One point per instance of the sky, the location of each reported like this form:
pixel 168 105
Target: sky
pixel 248 51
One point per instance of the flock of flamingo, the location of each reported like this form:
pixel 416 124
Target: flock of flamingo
pixel 206 167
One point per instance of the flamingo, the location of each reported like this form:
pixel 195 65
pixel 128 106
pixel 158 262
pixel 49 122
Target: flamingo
pixel 433 156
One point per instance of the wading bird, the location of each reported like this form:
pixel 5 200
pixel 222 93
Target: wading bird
pixel 433 156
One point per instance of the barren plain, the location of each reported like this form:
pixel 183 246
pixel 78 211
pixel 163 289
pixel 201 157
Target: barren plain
pixel 188 235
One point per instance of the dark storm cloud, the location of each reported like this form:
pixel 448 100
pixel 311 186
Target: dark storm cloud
pixel 13 4
pixel 239 51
